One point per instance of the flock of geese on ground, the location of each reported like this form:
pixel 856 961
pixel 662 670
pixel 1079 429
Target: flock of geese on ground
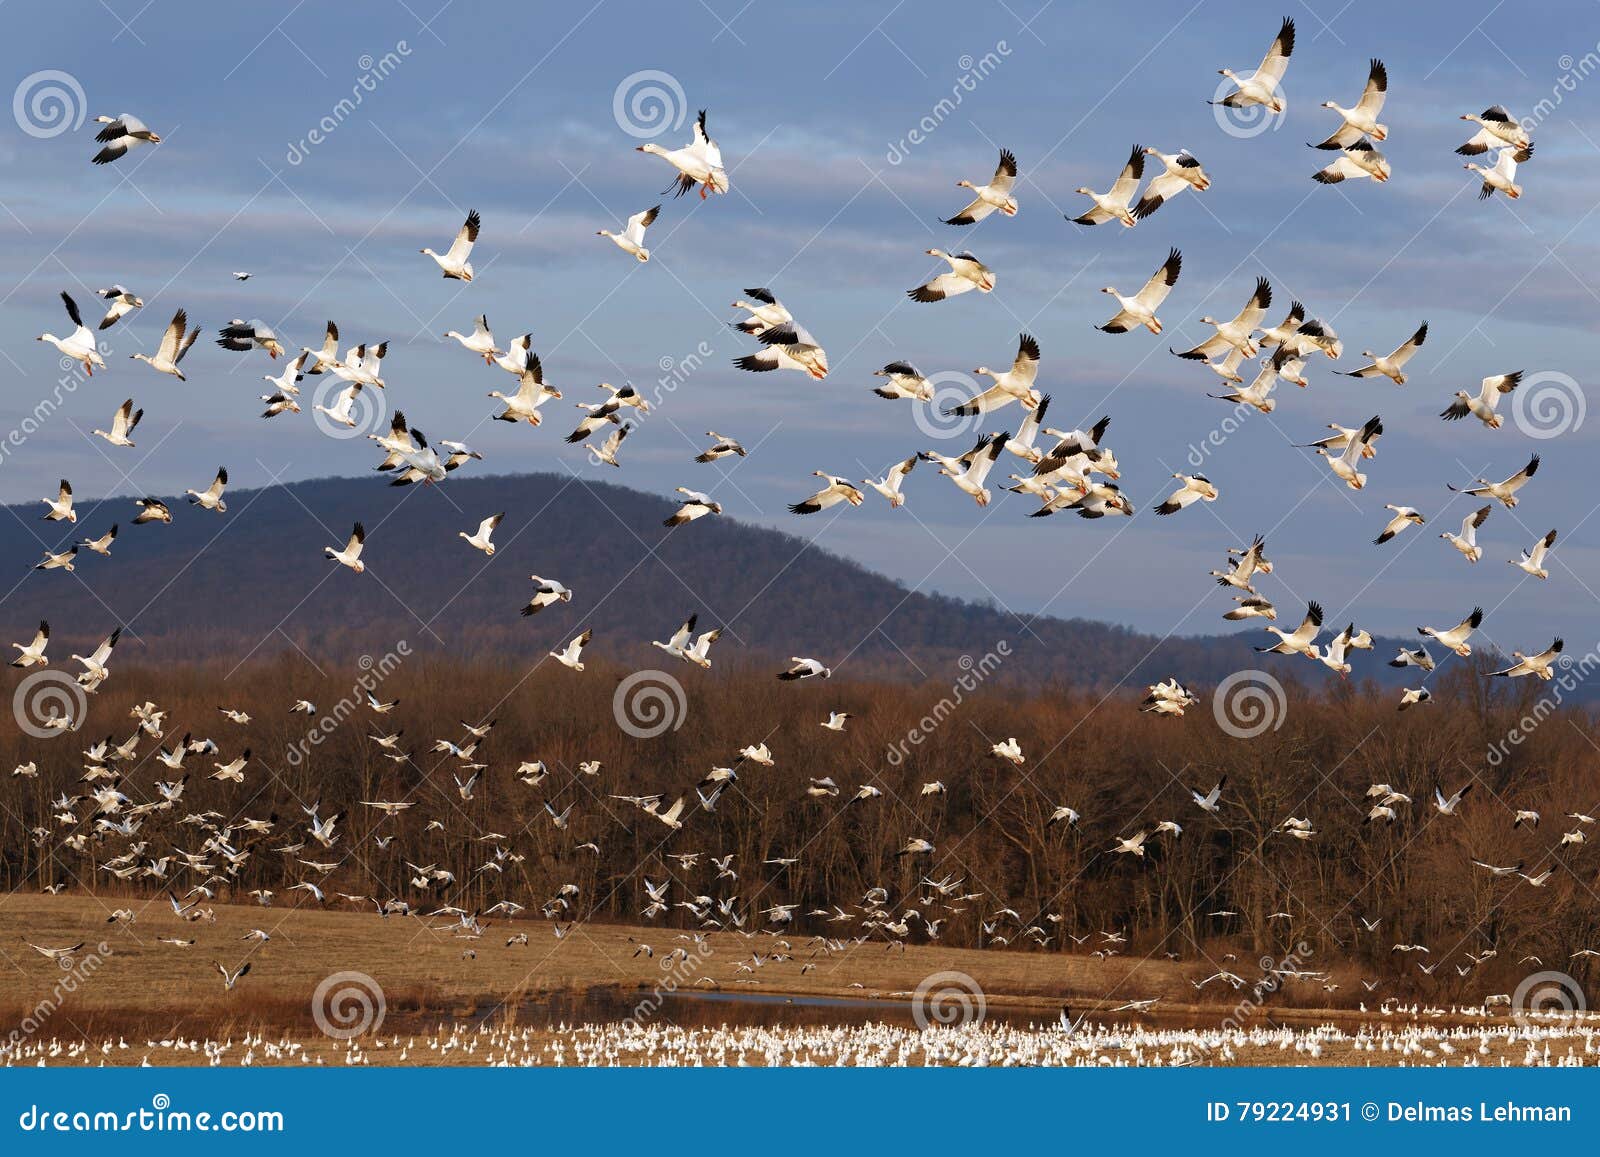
pixel 1063 469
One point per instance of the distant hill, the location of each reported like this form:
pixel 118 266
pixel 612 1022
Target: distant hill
pixel 253 583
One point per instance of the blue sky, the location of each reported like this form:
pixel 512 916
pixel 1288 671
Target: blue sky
pixel 509 108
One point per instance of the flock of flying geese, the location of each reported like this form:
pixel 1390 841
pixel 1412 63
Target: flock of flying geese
pixel 1064 469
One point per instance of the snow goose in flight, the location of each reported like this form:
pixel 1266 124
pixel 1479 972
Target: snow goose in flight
pixel 123 302
pixel 966 273
pixel 1262 85
pixel 699 653
pixel 1413 697
pixel 698 163
pixel 1022 443
pixel 1482 404
pixel 803 668
pixel 1456 637
pixel 515 358
pixel 58 561
pixel 1356 161
pixel 631 239
pixel 79 345
pixel 94 664
pixel 1115 203
pixel 789 347
pixel 1010 750
pixel 1504 492
pixel 241 336
pixel 325 358
pixel 421 464
pixel 572 654
pixel 1340 440
pixel 607 452
pixel 695 505
pixel 350 556
pixel 1393 366
pixel 1345 464
pixel 211 497
pixel 523 406
pixel 1502 175
pixel 836 720
pixel 1467 541
pixel 453 263
pixel 1256 394
pixel 151 510
pixel 229 979
pixel 547 592
pixel 1496 127
pixel 836 491
pixel 1251 607
pixel 766 312
pixel 1140 309
pixel 1132 845
pixel 1333 654
pixel 721 447
pixel 889 487
pixel 479 539
pixel 995 195
pixel 1013 385
pixel 1234 334
pixel 175 343
pixel 1195 488
pixel 598 415
pixel 480 341
pixel 122 132
pixel 1541 664
pixel 1447 807
pixel 122 424
pixel 1211 801
pixel 61 505
pixel 33 654
pixel 363 364
pixel 278 404
pixel 970 471
pixel 1301 640
pixel 904 381
pixel 679 642
pixel 293 373
pixel 1417 658
pixel 1362 120
pixel 1182 172
pixel 340 412
pixel 1532 561
pixel 1404 516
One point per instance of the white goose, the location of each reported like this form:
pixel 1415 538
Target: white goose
pixel 287 383
pixel 1467 541
pixel 453 263
pixel 94 664
pixel 523 406
pixel 58 560
pixel 515 358
pixel 1237 333
pixel 995 195
pixel 1182 172
pixel 480 341
pixel 33 654
pixel 1532 561
pixel 804 668
pixel 343 403
pixel 966 273
pixel 1256 394
pixel 1345 465
pixel 61 505
pixel 1140 309
pixel 1456 637
pixel 79 345
pixel 1262 85
pixel 123 302
pixel 631 239
pixel 1393 366
pixel 1542 664
pixel 606 453
pixel 1301 640
pixel 766 311
pixel 695 505
pixel 1013 385
pixel 836 491
pixel 1357 161
pixel 721 447
pixel 789 347
pixel 175 343
pixel 1362 120
pixel 1502 175
pixel 572 654
pixel 1496 127
pixel 1404 516
pixel 122 132
pixel 698 163
pixel 122 424
pixel 240 336
pixel 889 487
pixel 1194 488
pixel 350 556
pixel 363 365
pixel 1116 203
pixel 479 539
pixel 904 381
pixel 971 470
pixel 547 592
pixel 1503 492
pixel 211 497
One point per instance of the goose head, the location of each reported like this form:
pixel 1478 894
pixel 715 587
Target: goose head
pixel 652 147
pixel 1085 190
